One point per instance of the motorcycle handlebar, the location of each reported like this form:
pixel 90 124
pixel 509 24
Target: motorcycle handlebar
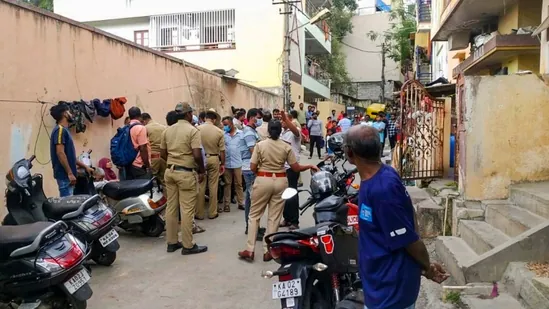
pixel 307 204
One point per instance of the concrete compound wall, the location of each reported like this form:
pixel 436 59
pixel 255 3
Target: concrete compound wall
pixel 46 57
pixel 507 134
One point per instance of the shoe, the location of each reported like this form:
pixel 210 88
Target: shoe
pixel 198 218
pixel 198 229
pixel 246 231
pixel 241 207
pixel 211 218
pixel 233 201
pixel 299 185
pixel 227 209
pixel 174 247
pixel 267 257
pixel 262 230
pixel 293 227
pixel 284 223
pixel 246 256
pixel 309 158
pixel 194 250
pixel 220 210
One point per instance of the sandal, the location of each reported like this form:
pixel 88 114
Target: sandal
pixel 197 229
pixel 227 209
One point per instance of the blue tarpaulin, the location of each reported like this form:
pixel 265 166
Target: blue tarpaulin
pixel 381 6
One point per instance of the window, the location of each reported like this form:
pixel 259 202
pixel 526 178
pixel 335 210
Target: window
pixel 141 37
pixel 194 31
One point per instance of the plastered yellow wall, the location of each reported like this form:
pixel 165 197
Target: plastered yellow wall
pixel 507 134
pixel 297 93
pixel 522 14
pixel 509 21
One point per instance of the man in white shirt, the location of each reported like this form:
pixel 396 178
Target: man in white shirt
pixel 345 123
pixel 292 136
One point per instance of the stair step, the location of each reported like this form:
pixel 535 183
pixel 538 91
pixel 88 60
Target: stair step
pixel 503 301
pixel 510 219
pixel 454 253
pixel 533 296
pixel 481 236
pixel 542 284
pixel 532 196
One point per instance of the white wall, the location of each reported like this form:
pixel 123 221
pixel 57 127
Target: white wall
pixel 440 60
pixel 366 66
pixel 123 28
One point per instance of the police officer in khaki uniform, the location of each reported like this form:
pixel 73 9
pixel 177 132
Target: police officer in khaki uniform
pixel 267 162
pixel 154 133
pixel 213 141
pixel 180 147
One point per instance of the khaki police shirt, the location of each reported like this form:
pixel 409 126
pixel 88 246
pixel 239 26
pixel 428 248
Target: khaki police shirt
pixel 213 139
pixel 270 156
pixel 179 141
pixel 154 133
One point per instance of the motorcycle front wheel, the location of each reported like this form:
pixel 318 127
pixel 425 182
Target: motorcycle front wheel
pixel 153 227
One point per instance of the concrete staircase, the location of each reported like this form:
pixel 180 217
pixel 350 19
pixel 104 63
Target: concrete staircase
pixel 512 230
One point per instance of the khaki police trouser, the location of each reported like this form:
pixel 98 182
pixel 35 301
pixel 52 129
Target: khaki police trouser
pixel 212 171
pixel 181 188
pixel 158 166
pixel 266 191
pixel 230 174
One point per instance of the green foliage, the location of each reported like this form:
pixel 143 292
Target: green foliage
pixel 396 40
pixel 43 4
pixel 453 297
pixel 340 25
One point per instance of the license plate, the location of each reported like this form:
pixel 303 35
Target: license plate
pixel 106 239
pixel 162 215
pixel 287 289
pixel 77 281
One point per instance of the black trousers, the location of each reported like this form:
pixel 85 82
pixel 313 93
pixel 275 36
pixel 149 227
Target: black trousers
pixel 134 172
pixel 392 141
pixel 291 208
pixel 315 140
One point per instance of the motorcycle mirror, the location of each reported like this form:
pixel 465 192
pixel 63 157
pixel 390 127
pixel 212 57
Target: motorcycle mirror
pixel 289 193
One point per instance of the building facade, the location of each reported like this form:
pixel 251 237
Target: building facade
pixel 245 36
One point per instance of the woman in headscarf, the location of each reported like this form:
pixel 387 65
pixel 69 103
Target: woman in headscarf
pixel 106 165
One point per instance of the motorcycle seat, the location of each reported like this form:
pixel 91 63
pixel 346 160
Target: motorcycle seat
pixel 119 190
pixel 299 234
pixel 13 237
pixel 329 204
pixel 57 207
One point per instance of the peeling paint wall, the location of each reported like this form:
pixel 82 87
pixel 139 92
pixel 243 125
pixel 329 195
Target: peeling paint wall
pixel 46 57
pixel 507 134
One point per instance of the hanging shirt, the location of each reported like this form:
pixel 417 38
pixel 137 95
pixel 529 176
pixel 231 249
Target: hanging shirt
pixel 390 276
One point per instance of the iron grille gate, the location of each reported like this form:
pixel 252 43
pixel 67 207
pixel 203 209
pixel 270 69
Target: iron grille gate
pixel 421 123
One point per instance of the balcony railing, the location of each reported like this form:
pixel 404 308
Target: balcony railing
pixel 315 71
pixel 424 10
pixel 193 31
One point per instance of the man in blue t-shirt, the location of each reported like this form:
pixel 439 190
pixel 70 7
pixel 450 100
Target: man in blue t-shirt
pixel 392 257
pixel 62 152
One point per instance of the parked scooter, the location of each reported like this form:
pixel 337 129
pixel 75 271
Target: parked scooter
pixel 140 203
pixel 318 264
pixel 89 219
pixel 41 267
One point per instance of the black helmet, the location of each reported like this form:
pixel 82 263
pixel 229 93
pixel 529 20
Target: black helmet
pixel 323 184
pixel 336 142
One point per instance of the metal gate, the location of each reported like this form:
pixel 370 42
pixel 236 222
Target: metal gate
pixel 419 153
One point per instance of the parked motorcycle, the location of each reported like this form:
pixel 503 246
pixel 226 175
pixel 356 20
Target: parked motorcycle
pixel 41 267
pixel 318 265
pixel 140 203
pixel 89 219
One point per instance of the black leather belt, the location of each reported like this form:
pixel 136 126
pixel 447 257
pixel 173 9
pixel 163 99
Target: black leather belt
pixel 181 168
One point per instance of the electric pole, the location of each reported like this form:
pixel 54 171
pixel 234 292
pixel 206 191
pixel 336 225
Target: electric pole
pixel 286 84
pixel 382 98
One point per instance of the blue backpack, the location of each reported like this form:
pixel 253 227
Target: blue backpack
pixel 122 151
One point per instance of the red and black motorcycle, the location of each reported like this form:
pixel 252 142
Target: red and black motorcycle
pixel 319 264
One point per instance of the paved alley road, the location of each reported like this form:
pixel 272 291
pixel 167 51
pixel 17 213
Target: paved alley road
pixel 145 276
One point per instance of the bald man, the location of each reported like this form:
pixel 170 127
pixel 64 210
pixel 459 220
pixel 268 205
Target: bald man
pixel 390 248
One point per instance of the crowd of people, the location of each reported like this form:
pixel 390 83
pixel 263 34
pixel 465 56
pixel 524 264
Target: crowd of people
pixel 259 152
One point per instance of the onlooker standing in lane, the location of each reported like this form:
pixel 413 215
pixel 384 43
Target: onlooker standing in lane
pixel 181 149
pixel 154 134
pixel 301 116
pixel 62 152
pixel 213 143
pixel 292 136
pixel 141 166
pixel 344 123
pixel 390 250
pixel 315 132
pixel 262 130
pixel 251 138
pixel 234 142
pixel 379 125
pixel 392 132
pixel 386 122
pixel 238 120
pixel 276 114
